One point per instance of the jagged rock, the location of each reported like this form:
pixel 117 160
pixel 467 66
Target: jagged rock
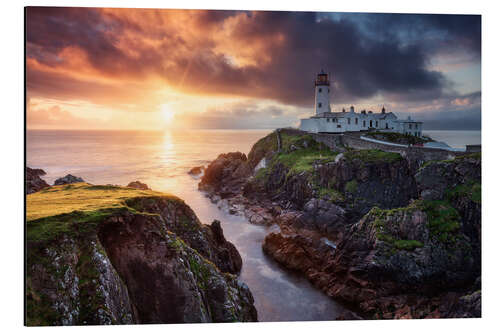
pixel 468 306
pixel 289 251
pixel 208 240
pixel 435 178
pixel 196 171
pixel 367 179
pixel 68 179
pixel 148 261
pixel 33 181
pixel 138 185
pixel 324 216
pixel 226 175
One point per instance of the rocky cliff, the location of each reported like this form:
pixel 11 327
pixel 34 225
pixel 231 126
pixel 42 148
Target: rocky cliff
pixel 33 181
pixel 365 226
pixel 119 255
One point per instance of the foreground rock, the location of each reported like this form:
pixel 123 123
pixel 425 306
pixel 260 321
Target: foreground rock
pixel 145 259
pixel 138 185
pixel 196 171
pixel 68 179
pixel 33 181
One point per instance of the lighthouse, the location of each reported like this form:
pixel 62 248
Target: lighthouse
pixel 322 93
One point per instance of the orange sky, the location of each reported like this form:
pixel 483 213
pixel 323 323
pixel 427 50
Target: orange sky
pixel 153 69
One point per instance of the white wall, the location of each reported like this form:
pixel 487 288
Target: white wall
pixel 322 95
pixel 347 122
pixel 316 125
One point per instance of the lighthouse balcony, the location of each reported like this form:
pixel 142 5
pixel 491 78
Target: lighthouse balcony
pixel 321 83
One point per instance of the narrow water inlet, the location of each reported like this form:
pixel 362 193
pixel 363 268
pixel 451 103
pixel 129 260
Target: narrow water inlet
pixel 280 295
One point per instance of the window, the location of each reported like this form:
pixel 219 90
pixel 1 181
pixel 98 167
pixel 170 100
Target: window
pixel 364 123
pixel 328 89
pixel 409 126
pixel 356 121
pixel 319 105
pixel 371 124
pixel 319 89
pixel 386 126
pixel 416 126
pixel 376 123
pixel 339 126
pixel 328 119
pixel 349 121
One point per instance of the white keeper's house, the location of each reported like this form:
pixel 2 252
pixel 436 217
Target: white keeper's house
pixel 326 121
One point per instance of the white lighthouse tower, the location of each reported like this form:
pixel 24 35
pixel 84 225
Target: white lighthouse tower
pixel 322 93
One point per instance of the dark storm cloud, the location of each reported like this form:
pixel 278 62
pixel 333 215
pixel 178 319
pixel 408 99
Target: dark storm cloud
pixel 435 32
pixel 367 54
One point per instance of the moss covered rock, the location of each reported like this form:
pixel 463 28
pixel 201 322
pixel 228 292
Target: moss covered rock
pixel 420 246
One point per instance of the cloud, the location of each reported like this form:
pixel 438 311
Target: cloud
pixel 272 55
pixel 452 112
pixel 241 115
pixel 55 117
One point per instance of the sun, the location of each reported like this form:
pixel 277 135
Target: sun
pixel 167 113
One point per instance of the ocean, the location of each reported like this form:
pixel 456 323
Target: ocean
pixel 456 139
pixel 162 160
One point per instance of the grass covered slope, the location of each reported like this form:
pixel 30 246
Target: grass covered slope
pixel 81 197
pixel 56 209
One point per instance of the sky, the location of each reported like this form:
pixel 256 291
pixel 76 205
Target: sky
pixel 154 69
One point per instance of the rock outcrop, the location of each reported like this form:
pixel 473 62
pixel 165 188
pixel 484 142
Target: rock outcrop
pixel 226 174
pixel 436 178
pixel 196 171
pixel 145 259
pixel 393 237
pixel 138 185
pixel 33 181
pixel 68 179
pixel 392 263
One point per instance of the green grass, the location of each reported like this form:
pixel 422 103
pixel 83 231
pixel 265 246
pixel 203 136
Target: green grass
pixel 407 244
pixel 471 191
pixel 384 235
pixel 372 155
pixel 303 159
pixel 458 158
pixel 262 147
pixel 443 219
pixel 476 156
pixel 398 138
pixel 77 208
pixel 333 195
pixel 81 197
pixel 351 186
pixel 298 140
